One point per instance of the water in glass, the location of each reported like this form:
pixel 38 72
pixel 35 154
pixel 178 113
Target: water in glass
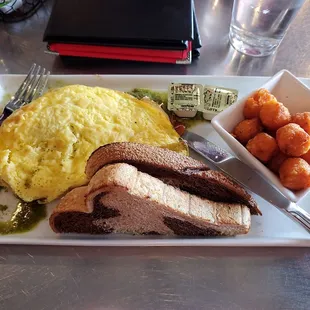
pixel 258 26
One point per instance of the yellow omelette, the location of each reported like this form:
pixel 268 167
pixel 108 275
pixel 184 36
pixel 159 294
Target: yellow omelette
pixel 44 146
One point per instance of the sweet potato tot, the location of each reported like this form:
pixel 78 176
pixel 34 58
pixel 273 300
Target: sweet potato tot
pixel 263 95
pixel 247 129
pixel 274 115
pixel 295 174
pixel 293 140
pixel 263 147
pixel 254 104
pixel 306 157
pixel 303 120
pixel 276 161
pixel 251 108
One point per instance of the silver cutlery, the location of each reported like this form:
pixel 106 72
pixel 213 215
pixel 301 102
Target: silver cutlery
pixel 246 176
pixel 31 88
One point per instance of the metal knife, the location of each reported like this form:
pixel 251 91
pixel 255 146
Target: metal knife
pixel 246 176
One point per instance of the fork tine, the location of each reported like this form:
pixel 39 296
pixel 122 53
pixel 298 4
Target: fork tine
pixel 43 84
pixel 25 83
pixel 34 89
pixel 31 85
pixel 27 90
pixel 38 88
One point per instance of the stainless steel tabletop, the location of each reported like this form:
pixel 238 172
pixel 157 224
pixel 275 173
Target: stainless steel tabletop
pixel 157 278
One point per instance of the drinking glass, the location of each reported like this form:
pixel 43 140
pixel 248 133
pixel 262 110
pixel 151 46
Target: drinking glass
pixel 258 26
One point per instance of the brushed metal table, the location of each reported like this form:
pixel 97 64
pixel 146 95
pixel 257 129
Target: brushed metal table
pixel 33 277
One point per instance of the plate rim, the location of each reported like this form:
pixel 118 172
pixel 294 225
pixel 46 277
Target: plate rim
pixel 239 241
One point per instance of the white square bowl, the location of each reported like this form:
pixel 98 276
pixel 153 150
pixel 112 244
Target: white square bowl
pixel 288 90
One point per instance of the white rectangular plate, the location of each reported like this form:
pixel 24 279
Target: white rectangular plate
pixel 271 229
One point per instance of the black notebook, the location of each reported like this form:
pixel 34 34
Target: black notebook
pixel 159 25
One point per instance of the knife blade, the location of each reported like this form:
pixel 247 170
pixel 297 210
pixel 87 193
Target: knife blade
pixel 246 176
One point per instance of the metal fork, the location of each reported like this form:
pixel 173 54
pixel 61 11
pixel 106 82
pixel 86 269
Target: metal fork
pixel 31 88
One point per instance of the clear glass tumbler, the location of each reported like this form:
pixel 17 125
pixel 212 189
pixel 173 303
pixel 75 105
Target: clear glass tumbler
pixel 258 26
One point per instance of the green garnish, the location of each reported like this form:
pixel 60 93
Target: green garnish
pixel 25 217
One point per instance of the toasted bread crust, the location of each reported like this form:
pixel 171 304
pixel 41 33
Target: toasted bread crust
pixel 173 168
pixel 140 154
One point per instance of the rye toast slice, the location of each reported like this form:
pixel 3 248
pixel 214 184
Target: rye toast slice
pixel 121 199
pixel 174 169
